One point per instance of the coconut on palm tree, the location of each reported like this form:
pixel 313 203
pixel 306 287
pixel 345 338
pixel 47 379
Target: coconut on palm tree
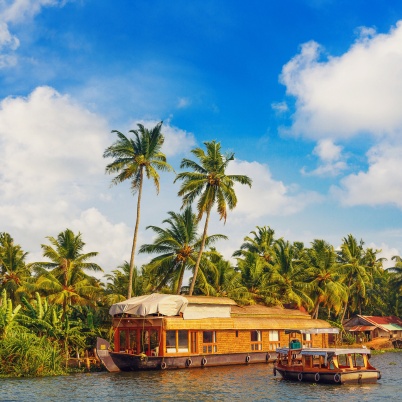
pixel 178 248
pixel 134 158
pixel 209 183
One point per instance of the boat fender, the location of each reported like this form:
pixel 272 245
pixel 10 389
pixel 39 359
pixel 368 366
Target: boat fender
pixel 247 359
pixel 189 362
pixel 337 377
pixel 163 365
pixel 204 361
pixel 300 377
pixel 267 357
pixel 274 371
pixel 378 376
pixel 317 377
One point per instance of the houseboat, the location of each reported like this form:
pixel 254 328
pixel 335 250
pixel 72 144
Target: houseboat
pixel 162 331
pixel 325 365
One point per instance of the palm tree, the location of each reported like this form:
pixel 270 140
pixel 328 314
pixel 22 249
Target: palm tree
pixel 178 248
pixel 67 282
pixel 220 278
pixel 322 269
pixel 354 267
pixel 262 243
pixel 209 183
pixel 132 159
pixel 13 271
pixel 287 282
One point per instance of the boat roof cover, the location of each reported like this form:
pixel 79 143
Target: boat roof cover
pixel 313 331
pixel 155 303
pixel 325 351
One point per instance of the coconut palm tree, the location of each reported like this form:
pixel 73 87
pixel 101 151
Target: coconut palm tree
pixel 117 284
pixel 209 183
pixel 14 272
pixel 178 248
pixel 287 283
pixel 262 243
pixel 222 279
pixel 67 283
pixel 353 266
pixel 322 269
pixel 134 158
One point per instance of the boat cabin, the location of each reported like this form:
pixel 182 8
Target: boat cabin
pixel 171 325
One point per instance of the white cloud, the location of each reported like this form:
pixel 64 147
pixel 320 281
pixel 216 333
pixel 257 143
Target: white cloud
pixel 21 10
pixel 280 107
pixel 17 12
pixel 387 252
pixel 51 169
pixel 330 157
pixel 357 92
pixel 267 196
pixel 381 184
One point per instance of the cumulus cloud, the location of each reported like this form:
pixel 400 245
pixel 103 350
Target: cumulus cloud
pixel 381 184
pixel 267 196
pixel 330 159
pixel 51 169
pixel 357 92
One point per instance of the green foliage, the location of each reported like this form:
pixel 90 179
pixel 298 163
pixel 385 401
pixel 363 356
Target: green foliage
pixel 8 314
pixel 23 354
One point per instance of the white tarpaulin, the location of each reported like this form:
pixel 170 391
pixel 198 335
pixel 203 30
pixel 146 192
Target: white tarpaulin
pixel 155 303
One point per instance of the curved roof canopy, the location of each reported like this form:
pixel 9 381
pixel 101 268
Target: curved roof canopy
pixel 151 304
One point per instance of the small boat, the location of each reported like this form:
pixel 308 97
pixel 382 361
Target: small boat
pixel 160 331
pixel 324 365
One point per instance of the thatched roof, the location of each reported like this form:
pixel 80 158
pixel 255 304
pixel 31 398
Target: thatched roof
pixel 244 323
pixel 257 310
pixel 210 300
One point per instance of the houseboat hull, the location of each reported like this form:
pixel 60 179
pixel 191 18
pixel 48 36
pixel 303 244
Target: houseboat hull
pixel 115 361
pixel 128 362
pixel 330 377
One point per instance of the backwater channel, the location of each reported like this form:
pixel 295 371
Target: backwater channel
pixel 232 383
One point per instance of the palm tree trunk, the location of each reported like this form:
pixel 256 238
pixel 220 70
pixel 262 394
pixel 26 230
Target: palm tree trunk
pixel 180 282
pixel 137 223
pixel 197 264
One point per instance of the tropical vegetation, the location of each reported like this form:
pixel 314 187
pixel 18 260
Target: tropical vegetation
pixel 54 309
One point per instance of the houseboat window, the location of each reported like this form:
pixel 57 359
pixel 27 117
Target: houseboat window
pixel 171 341
pixel 273 336
pixel 149 342
pixel 176 341
pixel 133 341
pixel 307 340
pixel 183 341
pixel 122 341
pixel 209 342
pixel 256 343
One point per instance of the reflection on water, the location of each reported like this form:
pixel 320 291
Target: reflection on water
pixel 233 383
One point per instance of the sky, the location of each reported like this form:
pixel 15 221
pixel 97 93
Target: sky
pixel 306 93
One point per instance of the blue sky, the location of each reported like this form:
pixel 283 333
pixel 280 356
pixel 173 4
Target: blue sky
pixel 307 93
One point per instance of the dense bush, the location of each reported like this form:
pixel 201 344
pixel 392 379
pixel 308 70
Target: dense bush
pixel 23 354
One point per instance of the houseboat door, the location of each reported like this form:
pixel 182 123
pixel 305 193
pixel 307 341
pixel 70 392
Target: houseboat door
pixel 193 342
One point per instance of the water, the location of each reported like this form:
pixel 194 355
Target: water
pixel 233 383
